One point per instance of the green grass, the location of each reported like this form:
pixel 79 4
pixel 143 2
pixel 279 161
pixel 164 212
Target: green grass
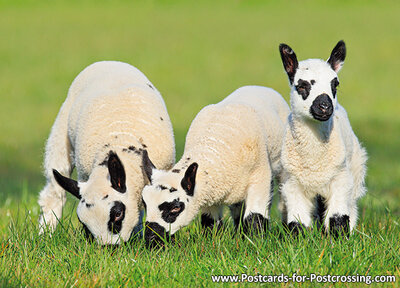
pixel 195 53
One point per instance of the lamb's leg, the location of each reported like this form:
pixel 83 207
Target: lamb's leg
pixel 257 203
pixel 298 206
pixel 237 212
pixel 358 169
pixel 57 156
pixel 319 211
pixel 210 217
pixel 353 214
pixel 339 202
pixel 282 209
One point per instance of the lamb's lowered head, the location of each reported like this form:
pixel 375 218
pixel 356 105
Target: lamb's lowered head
pixel 105 190
pixel 313 83
pixel 169 200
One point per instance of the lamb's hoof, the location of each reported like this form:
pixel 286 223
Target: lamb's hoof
pixel 208 223
pixel 339 225
pixel 255 223
pixel 295 228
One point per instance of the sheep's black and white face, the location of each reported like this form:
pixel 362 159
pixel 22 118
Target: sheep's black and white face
pixel 168 201
pixel 103 207
pixel 313 82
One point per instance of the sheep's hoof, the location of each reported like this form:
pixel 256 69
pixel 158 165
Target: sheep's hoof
pixel 339 225
pixel 295 228
pixel 208 223
pixel 255 223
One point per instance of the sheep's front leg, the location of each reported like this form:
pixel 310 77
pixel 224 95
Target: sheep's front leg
pixel 57 156
pixel 257 203
pixel 210 217
pixel 298 206
pixel 237 211
pixel 337 219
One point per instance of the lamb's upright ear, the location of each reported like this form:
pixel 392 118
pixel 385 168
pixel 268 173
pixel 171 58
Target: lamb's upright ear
pixel 148 166
pixel 67 184
pixel 289 61
pixel 117 173
pixel 189 180
pixel 338 55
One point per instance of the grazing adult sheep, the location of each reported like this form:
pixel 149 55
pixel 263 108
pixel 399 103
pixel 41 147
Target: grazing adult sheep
pixel 232 153
pixel 324 164
pixel 111 115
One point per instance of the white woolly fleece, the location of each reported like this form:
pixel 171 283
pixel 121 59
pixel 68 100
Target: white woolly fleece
pixel 237 145
pixel 110 106
pixel 319 157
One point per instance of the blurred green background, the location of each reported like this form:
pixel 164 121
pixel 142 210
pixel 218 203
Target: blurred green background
pixel 196 53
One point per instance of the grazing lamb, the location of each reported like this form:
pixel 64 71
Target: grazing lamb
pixel 111 115
pixel 323 162
pixel 232 153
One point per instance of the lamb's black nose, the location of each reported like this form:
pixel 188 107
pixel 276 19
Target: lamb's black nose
pixel 324 106
pixel 155 235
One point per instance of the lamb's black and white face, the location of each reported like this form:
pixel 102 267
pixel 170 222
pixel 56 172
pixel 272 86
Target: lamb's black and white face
pixel 103 207
pixel 313 82
pixel 168 201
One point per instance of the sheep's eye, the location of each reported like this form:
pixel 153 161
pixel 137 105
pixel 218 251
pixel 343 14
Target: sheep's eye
pixel 336 82
pixel 334 85
pixel 118 216
pixel 171 210
pixel 176 210
pixel 303 88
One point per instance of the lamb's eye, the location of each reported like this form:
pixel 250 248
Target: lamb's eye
pixel 118 215
pixel 171 210
pixel 334 85
pixel 336 82
pixel 176 210
pixel 303 87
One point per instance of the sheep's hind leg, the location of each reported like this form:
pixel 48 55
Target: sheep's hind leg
pixel 211 217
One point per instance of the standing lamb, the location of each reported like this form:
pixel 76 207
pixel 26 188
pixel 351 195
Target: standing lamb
pixel 323 162
pixel 111 115
pixel 232 153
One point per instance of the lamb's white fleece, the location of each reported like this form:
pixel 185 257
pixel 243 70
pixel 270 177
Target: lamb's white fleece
pixel 236 144
pixel 111 106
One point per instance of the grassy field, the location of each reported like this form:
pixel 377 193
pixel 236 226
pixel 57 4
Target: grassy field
pixel 196 53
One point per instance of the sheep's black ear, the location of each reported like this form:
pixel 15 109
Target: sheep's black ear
pixel 68 184
pixel 148 166
pixel 338 55
pixel 189 180
pixel 117 172
pixel 289 61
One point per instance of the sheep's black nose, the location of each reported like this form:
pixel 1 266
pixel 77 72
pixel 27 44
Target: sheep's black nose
pixel 155 235
pixel 322 107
